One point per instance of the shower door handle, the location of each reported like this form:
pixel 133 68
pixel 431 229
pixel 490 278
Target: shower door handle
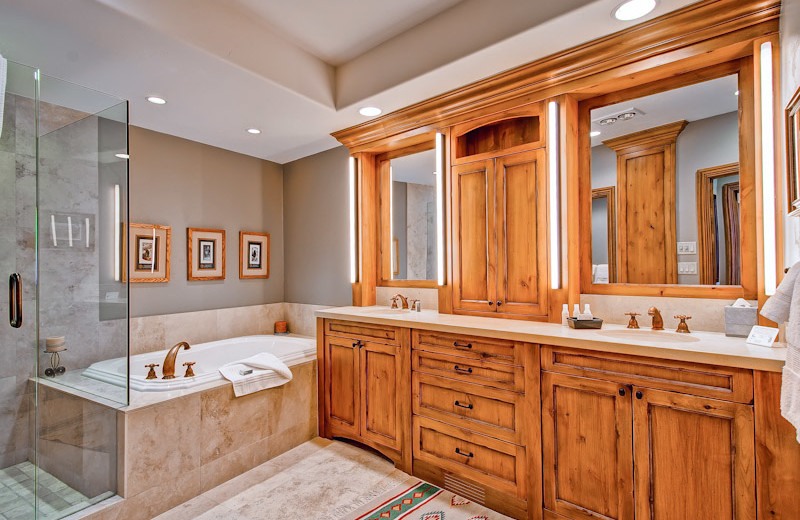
pixel 15 300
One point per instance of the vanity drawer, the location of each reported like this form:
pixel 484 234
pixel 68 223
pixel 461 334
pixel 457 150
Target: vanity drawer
pixel 364 331
pixel 492 462
pixel 473 347
pixel 729 384
pixel 506 377
pixel 478 408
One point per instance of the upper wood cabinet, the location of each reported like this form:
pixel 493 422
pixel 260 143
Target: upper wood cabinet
pixel 500 235
pixel 514 131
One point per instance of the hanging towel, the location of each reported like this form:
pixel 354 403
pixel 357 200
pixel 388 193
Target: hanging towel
pixel 265 371
pixel 3 75
pixel 784 306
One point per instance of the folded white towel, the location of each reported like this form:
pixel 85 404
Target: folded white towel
pixel 3 74
pixel 256 373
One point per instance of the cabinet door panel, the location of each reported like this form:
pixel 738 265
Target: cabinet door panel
pixel 380 411
pixel 586 442
pixel 694 457
pixel 522 233
pixel 342 395
pixel 474 237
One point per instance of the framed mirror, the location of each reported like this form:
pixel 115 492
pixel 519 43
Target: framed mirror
pixel 667 189
pixel 408 220
pixel 793 153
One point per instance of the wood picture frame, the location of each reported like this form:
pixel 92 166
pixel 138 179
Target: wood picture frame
pixel 139 256
pixel 793 154
pixel 254 254
pixel 205 254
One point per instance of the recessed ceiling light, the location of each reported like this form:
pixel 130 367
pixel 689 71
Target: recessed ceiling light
pixel 156 100
pixel 122 156
pixel 370 111
pixel 594 133
pixel 626 116
pixel 633 9
pixel 608 121
pixel 253 131
pixel 736 93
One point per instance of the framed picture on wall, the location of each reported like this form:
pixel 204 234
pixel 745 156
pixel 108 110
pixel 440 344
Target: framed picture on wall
pixel 253 255
pixel 793 154
pixel 205 254
pixel 149 246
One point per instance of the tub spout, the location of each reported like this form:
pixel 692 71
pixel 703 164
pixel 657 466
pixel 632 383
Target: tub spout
pixel 169 361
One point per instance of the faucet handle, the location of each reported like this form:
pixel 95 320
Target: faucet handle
pixel 412 303
pixel 151 374
pixel 632 323
pixel 394 301
pixel 682 326
pixel 189 371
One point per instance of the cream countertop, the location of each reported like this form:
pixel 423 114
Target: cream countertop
pixel 698 347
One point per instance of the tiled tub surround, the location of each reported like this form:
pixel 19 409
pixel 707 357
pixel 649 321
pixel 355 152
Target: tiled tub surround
pixel 707 314
pixel 152 333
pixel 172 449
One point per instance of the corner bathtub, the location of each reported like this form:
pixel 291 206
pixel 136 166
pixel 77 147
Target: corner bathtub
pixel 209 357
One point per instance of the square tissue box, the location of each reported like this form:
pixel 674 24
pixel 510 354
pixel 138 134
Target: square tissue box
pixel 739 320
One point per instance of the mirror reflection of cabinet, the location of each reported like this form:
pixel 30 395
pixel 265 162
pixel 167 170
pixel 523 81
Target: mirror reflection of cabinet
pixel 500 215
pixel 673 160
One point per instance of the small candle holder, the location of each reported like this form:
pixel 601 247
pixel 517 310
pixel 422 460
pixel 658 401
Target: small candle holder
pixel 55 345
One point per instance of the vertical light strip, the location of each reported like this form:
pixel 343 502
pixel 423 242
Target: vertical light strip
pixel 391 226
pixel 116 233
pixel 53 230
pixel 353 234
pixel 86 222
pixel 440 169
pixel 768 169
pixel 69 230
pixel 555 198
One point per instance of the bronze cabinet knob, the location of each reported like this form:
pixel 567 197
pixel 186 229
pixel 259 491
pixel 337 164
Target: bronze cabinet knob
pixel 151 374
pixel 189 371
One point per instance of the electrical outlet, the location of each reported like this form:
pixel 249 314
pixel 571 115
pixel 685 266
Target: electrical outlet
pixel 687 248
pixel 687 267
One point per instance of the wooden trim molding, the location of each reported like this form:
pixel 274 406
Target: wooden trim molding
pixel 706 250
pixel 792 115
pixel 608 193
pixel 730 221
pixel 695 30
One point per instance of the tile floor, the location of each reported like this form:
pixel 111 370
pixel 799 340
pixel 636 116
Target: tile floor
pixel 17 502
pixel 320 479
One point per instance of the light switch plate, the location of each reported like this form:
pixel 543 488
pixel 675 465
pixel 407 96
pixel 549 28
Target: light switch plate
pixel 687 248
pixel 687 267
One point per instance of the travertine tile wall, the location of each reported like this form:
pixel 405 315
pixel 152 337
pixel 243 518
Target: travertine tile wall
pixel 152 333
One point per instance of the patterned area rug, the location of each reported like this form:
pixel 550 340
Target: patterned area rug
pixel 415 499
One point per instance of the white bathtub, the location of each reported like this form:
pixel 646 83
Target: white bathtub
pixel 292 350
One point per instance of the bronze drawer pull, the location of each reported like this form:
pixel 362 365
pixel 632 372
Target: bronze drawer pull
pixel 464 454
pixel 463 370
pixel 462 345
pixel 467 406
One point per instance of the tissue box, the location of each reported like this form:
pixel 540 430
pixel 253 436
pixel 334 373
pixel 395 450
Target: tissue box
pixel 739 320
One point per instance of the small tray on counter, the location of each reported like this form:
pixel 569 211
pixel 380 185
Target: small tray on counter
pixel 575 323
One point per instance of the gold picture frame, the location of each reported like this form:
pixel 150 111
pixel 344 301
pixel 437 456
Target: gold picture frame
pixel 205 254
pixel 253 255
pixel 150 249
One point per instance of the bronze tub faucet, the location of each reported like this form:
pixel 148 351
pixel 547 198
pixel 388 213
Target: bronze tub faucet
pixel 169 361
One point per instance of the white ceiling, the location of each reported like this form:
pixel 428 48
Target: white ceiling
pixel 296 69
pixel 692 103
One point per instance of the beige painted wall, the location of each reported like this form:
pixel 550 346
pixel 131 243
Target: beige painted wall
pixel 182 184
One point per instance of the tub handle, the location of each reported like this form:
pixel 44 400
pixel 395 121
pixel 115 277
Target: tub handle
pixel 152 373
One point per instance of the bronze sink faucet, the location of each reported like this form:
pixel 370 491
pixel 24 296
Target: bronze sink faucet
pixel 169 361
pixel 403 300
pixel 658 321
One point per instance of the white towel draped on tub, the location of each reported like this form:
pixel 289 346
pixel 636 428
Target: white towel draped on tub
pixel 267 372
pixel 784 306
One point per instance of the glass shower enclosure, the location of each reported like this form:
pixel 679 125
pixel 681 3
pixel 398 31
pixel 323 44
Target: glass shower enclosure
pixel 63 211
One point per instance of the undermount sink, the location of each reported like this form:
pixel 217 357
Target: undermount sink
pixel 649 335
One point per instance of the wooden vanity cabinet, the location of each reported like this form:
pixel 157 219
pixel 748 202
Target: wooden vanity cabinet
pixel 630 438
pixel 366 378
pixel 499 225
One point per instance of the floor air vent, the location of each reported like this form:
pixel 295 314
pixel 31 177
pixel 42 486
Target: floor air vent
pixel 465 489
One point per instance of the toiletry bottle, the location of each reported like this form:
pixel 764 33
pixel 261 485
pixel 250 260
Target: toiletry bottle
pixel 576 310
pixel 588 312
pixel 564 315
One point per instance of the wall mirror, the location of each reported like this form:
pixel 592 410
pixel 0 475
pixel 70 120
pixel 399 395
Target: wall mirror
pixel 665 200
pixel 408 216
